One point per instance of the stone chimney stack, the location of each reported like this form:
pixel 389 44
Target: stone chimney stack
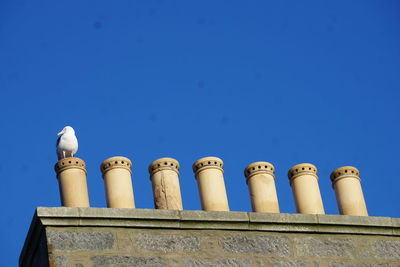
pixel 304 181
pixel 71 175
pixel 347 185
pixel 261 181
pixel 164 175
pixel 210 179
pixel 118 182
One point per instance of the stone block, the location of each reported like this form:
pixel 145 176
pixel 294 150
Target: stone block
pixel 66 240
pixel 282 218
pixel 57 212
pixel 221 225
pixel 143 214
pixel 387 249
pixel 125 261
pixel 341 264
pixel 167 242
pixel 273 245
pixel 325 247
pixel 234 262
pixel 60 261
pixel 225 216
pixel 354 220
pixel 289 264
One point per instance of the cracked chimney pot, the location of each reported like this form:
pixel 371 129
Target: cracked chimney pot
pixel 164 176
pixel 210 179
pixel 71 176
pixel 118 182
pixel 261 181
pixel 349 195
pixel 304 181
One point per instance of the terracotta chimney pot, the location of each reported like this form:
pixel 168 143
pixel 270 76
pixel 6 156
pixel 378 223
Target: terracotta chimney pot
pixel 164 175
pixel 261 181
pixel 304 181
pixel 349 195
pixel 210 179
pixel 71 175
pixel 118 182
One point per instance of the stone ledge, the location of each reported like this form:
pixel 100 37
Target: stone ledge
pixel 261 233
pixel 216 220
pixel 197 219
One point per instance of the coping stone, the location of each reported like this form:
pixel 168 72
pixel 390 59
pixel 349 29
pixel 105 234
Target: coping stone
pixel 395 222
pixel 259 217
pixel 225 216
pixel 354 220
pixel 57 212
pixel 147 214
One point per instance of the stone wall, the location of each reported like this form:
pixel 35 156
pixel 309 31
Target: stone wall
pixel 132 237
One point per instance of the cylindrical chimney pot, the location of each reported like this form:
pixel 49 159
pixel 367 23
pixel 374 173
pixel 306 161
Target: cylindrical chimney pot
pixel 118 182
pixel 349 195
pixel 164 175
pixel 304 181
pixel 261 181
pixel 210 179
pixel 71 176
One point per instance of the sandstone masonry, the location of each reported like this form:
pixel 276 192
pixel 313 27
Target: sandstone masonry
pixel 135 237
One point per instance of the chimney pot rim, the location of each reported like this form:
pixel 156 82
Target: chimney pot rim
pixel 259 167
pixel 302 169
pixel 165 163
pixel 115 162
pixel 345 171
pixel 209 162
pixel 69 163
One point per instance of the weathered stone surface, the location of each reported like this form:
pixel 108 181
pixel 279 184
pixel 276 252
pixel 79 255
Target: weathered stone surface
pixel 167 243
pixel 80 240
pixel 114 213
pixel 261 217
pixel 289 264
pixel 387 249
pixel 339 264
pixel 260 244
pixel 234 262
pixel 60 261
pixel 77 237
pixel 354 220
pixel 225 216
pixel 331 247
pixel 125 261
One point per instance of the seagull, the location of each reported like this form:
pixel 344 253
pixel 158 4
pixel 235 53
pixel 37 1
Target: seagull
pixel 67 144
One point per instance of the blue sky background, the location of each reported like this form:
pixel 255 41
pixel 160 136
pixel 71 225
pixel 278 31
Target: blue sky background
pixel 285 82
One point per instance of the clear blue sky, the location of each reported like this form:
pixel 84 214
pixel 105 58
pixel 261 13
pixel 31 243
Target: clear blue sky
pixel 285 82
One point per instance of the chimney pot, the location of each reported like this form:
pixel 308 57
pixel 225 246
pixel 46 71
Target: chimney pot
pixel 261 181
pixel 304 181
pixel 71 176
pixel 210 179
pixel 349 196
pixel 118 182
pixel 164 176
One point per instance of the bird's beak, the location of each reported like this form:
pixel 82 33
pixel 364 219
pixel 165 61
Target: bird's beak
pixel 60 133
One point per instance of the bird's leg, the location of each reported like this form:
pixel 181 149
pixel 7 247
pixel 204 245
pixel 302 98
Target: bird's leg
pixel 64 153
pixel 72 155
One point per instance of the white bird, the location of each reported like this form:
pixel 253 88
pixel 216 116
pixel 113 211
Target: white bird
pixel 67 143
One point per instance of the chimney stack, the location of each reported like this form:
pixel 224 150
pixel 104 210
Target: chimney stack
pixel 261 181
pixel 347 185
pixel 118 182
pixel 209 175
pixel 71 175
pixel 164 175
pixel 304 181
